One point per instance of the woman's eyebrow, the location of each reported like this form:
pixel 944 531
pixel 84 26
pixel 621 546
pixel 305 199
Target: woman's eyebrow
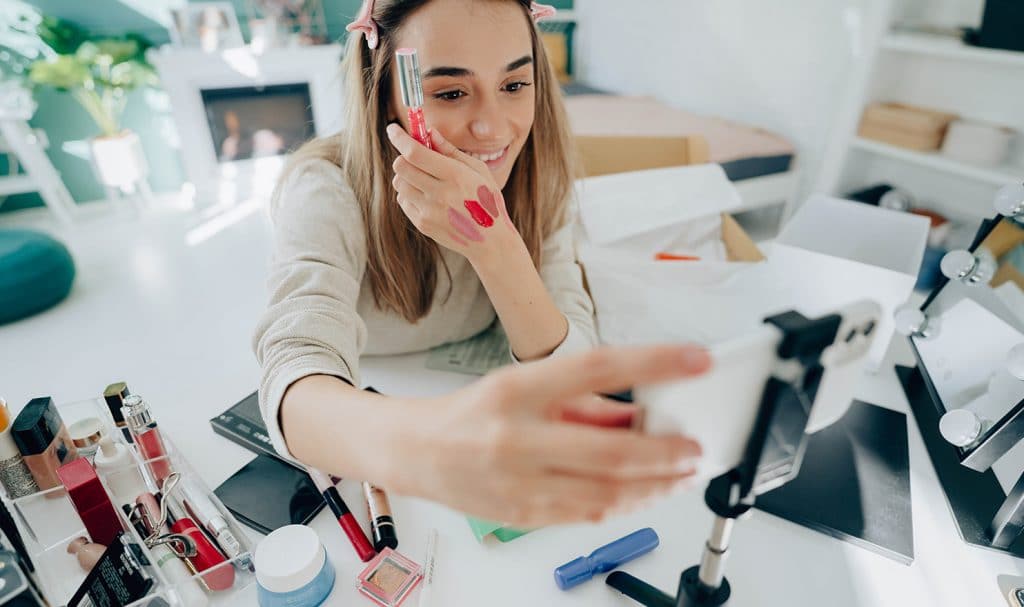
pixel 458 72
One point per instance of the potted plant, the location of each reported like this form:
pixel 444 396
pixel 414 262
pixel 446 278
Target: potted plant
pixel 99 72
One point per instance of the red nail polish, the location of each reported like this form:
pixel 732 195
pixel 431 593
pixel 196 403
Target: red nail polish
pixel 479 214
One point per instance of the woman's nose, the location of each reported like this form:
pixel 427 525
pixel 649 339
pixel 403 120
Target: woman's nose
pixel 488 123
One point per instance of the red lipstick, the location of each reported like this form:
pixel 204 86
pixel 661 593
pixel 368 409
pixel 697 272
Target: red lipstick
pixel 207 556
pixel 479 214
pixel 348 522
pixel 412 93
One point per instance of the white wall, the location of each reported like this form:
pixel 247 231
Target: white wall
pixel 783 65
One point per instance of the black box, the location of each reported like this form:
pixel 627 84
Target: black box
pixel 1002 25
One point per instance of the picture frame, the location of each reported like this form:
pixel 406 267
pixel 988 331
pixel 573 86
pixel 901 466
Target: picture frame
pixel 209 26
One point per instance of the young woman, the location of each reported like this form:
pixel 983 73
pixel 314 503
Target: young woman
pixel 384 246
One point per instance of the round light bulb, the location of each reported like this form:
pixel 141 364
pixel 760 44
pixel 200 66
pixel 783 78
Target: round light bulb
pixel 967 267
pixel 960 427
pixel 957 265
pixel 1010 200
pixel 910 320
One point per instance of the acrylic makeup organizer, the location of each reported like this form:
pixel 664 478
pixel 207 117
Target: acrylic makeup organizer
pixel 48 522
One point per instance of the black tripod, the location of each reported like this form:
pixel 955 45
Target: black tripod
pixel 772 458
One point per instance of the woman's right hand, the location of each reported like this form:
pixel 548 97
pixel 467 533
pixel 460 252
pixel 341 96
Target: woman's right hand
pixel 531 445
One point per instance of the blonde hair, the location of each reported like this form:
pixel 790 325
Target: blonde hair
pixel 402 263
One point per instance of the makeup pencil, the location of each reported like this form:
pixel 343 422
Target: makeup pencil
pixel 348 522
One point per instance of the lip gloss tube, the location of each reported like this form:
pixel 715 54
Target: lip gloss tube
pixel 147 437
pixel 348 522
pixel 412 93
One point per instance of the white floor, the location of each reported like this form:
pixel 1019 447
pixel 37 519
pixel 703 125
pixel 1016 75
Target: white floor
pixel 166 301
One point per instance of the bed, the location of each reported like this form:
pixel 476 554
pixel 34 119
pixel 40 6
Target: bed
pixel 760 163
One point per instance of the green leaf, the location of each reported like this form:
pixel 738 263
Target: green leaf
pixel 62 36
pixel 64 73
pixel 132 74
pixel 117 50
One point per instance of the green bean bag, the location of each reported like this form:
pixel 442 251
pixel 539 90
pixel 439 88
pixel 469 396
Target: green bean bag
pixel 36 273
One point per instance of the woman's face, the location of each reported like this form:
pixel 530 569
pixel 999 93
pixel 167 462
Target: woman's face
pixel 476 63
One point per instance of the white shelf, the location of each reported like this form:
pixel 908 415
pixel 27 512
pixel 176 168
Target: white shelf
pixel 949 47
pixel 998 176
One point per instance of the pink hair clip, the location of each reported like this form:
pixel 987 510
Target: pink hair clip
pixel 541 11
pixel 364 23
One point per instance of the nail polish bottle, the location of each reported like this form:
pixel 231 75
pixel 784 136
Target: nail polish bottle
pixel 147 437
pixel 43 441
pixel 14 473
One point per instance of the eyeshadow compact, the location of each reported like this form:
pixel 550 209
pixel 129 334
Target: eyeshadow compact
pixel 389 578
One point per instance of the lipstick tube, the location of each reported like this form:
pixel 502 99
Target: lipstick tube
pixel 412 93
pixel 348 522
pixel 202 509
pixel 178 569
pixel 207 556
pixel 147 437
pixel 382 523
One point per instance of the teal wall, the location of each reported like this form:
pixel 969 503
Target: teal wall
pixel 147 112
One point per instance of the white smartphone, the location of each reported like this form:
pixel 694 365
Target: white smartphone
pixel 719 409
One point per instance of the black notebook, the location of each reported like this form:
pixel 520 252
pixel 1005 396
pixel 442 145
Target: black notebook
pixel 854 483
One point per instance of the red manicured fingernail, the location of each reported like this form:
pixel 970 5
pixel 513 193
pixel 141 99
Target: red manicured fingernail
pixel 479 214
pixel 487 200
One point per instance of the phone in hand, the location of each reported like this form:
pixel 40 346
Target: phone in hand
pixel 721 408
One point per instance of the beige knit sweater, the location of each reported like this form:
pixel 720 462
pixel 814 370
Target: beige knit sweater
pixel 321 317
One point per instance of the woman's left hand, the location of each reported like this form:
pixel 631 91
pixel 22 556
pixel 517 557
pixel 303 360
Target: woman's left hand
pixel 451 197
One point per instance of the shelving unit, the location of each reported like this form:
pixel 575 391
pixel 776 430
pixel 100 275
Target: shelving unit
pixel 949 47
pixel 998 176
pixel 936 71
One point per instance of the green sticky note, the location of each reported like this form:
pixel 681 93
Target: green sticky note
pixel 482 529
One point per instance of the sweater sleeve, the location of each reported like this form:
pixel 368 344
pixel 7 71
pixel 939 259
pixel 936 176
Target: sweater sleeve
pixel 311 326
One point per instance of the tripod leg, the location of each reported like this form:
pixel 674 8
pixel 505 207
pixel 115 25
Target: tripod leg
pixel 639 590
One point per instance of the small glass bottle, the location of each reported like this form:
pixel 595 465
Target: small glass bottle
pixel 147 437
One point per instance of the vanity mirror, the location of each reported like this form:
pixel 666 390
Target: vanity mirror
pixel 967 391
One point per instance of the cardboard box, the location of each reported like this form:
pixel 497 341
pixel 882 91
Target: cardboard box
pixel 557 48
pixel 625 219
pixel 831 252
pixel 904 125
pixel 609 154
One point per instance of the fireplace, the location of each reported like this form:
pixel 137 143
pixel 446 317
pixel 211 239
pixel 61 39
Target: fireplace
pixel 237 111
pixel 258 121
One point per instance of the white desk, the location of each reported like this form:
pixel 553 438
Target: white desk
pixel 175 321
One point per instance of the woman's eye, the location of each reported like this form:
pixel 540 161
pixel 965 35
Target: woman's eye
pixel 515 87
pixel 449 95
